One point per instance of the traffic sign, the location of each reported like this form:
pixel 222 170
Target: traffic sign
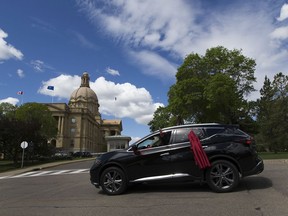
pixel 24 145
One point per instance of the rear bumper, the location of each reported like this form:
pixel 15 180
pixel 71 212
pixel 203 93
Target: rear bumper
pixel 257 169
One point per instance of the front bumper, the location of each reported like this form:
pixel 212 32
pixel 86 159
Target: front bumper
pixel 94 175
pixel 95 184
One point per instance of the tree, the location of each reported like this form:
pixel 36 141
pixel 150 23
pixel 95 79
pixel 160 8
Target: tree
pixel 273 113
pixel 30 122
pixel 212 88
pixel 40 119
pixel 42 126
pixel 162 118
pixel 223 99
pixel 7 110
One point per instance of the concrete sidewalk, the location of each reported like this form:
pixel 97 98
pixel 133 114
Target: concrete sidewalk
pixel 41 166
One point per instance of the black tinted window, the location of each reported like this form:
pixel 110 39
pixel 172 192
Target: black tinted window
pixel 156 140
pixel 181 134
pixel 224 130
pixel 212 131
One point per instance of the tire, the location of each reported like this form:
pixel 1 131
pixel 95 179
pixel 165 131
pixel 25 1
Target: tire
pixel 113 181
pixel 222 176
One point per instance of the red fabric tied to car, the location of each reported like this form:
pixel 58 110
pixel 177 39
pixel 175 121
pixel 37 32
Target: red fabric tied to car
pixel 200 156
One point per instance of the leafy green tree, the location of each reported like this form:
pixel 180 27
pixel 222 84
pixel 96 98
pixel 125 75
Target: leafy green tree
pixel 40 119
pixel 223 99
pixel 7 110
pixel 162 118
pixel 273 113
pixel 31 122
pixel 42 126
pixel 212 88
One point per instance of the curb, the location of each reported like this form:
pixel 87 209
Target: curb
pixel 276 161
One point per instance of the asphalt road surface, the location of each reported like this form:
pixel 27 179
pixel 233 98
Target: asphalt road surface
pixel 66 190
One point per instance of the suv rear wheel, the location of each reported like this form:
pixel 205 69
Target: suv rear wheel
pixel 223 176
pixel 113 181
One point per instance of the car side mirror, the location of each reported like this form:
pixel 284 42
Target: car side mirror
pixel 135 150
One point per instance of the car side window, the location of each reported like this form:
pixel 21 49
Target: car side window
pixel 181 134
pixel 156 140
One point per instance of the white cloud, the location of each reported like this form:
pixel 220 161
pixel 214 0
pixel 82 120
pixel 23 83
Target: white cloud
pixel 7 51
pixel 20 73
pixel 64 85
pixel 83 41
pixel 112 72
pixel 283 13
pixel 119 100
pixel 155 31
pixel 154 64
pixel 280 33
pixel 10 100
pixel 124 100
pixel 153 25
pixel 38 65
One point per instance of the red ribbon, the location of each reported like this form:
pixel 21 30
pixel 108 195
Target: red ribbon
pixel 200 156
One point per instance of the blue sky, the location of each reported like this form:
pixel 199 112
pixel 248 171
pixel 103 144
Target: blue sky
pixel 130 48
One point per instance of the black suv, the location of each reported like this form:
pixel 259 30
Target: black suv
pixel 167 155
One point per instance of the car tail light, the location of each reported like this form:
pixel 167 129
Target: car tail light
pixel 248 141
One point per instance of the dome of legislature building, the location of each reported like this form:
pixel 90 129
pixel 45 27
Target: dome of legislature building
pixel 80 126
pixel 84 92
pixel 84 96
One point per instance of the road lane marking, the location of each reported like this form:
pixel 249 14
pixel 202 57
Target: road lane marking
pixel 79 171
pixel 46 173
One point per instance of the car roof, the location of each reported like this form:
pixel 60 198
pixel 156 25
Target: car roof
pixel 197 125
pixel 187 126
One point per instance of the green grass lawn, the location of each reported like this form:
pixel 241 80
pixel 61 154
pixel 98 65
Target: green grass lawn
pixel 6 165
pixel 272 155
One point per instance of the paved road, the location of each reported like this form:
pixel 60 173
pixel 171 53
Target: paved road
pixel 65 193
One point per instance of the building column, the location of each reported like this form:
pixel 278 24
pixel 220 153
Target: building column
pixel 59 125
pixel 62 125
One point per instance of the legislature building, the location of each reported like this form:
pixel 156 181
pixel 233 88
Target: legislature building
pixel 80 126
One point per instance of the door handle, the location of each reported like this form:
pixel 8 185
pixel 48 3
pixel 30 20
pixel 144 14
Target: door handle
pixel 164 154
pixel 204 147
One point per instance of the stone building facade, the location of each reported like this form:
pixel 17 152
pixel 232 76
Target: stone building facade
pixel 80 126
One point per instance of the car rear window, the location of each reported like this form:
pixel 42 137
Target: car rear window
pixel 224 130
pixel 212 131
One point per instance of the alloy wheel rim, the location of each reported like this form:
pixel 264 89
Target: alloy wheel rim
pixel 112 181
pixel 222 176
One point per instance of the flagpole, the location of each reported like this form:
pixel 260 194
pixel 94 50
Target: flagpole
pixel 51 88
pixel 21 93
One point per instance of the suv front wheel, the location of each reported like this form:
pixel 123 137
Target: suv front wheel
pixel 113 181
pixel 222 176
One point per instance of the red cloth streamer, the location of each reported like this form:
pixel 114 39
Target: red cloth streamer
pixel 200 156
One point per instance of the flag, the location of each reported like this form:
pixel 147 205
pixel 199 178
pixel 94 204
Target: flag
pixel 20 92
pixel 50 88
pixel 200 156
